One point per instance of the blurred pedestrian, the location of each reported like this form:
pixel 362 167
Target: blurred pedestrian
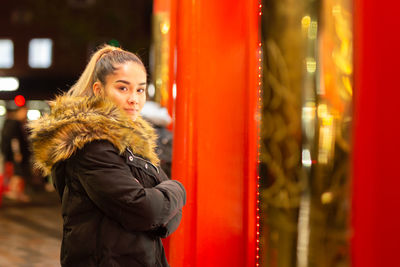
pixel 160 119
pixel 116 201
pixel 16 153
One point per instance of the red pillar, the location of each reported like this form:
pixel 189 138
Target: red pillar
pixel 215 141
pixel 376 183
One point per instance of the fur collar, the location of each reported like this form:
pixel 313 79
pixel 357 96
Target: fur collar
pixel 76 121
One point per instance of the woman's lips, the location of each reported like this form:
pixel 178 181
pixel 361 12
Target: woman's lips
pixel 130 110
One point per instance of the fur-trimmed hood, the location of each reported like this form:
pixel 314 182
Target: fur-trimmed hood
pixel 76 121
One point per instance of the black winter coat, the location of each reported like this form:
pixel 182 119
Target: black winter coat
pixel 116 202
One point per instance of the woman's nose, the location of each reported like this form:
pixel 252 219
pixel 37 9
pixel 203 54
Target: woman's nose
pixel 133 99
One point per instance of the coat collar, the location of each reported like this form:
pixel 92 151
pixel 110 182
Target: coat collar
pixel 76 121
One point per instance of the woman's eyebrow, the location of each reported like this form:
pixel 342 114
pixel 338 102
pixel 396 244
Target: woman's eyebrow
pixel 128 83
pixel 122 81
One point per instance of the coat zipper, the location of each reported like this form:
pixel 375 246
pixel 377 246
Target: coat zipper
pixel 130 152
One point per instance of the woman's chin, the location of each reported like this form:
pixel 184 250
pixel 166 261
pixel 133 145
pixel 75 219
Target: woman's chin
pixel 130 114
pixel 133 116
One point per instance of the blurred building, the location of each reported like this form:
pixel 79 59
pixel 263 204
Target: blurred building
pixel 46 44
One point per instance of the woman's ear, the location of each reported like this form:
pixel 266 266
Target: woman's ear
pixel 97 86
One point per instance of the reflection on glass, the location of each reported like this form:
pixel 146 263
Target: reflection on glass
pixel 161 46
pixel 311 65
pixel 305 133
pixel 282 155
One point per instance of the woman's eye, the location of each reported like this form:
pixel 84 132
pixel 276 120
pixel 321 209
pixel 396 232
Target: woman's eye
pixel 140 90
pixel 123 88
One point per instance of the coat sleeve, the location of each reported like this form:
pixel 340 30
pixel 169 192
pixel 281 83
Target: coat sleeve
pixel 167 229
pixel 109 183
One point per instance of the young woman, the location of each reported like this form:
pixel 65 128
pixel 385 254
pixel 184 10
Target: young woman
pixel 116 201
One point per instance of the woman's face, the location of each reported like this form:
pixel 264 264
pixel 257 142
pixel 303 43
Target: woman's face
pixel 126 87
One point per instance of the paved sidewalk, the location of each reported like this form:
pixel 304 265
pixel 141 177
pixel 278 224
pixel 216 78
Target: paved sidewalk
pixel 30 233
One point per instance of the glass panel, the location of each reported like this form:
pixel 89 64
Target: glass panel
pixel 160 59
pixel 306 133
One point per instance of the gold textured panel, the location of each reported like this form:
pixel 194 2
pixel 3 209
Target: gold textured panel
pixel 306 133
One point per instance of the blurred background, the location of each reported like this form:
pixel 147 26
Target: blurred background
pixel 44 47
pixel 46 44
pixel 278 116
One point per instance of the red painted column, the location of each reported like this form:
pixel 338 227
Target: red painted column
pixel 215 141
pixel 376 182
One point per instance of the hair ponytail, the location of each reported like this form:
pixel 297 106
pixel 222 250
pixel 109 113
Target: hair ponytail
pixel 101 64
